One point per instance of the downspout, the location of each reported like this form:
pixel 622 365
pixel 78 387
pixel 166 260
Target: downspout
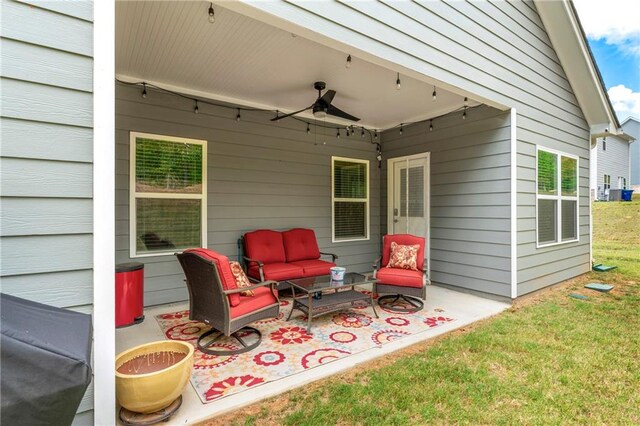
pixel 514 205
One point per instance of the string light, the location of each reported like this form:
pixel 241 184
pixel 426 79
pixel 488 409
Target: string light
pixel 196 109
pixel 144 90
pixel 338 134
pixel 464 114
pixel 308 129
pixel 348 134
pixel 431 125
pixel 362 133
pixel 400 129
pixel 348 64
pixel 398 86
pixel 212 14
pixel 238 116
pixel 375 134
pixel 434 95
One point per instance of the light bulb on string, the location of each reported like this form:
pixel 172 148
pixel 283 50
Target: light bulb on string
pixel 431 125
pixel 338 134
pixel 398 86
pixel 434 95
pixel 196 109
pixel 362 133
pixel 238 115
pixel 348 64
pixel 375 135
pixel 400 129
pixel 144 90
pixel 308 128
pixel 212 14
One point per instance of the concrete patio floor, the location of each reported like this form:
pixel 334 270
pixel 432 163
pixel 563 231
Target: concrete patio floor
pixel 464 307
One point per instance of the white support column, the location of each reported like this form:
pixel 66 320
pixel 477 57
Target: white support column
pixel 104 401
pixel 514 205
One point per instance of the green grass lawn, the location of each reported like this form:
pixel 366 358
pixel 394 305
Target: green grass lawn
pixel 550 359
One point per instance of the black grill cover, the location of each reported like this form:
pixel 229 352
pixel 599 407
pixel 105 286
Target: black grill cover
pixel 45 362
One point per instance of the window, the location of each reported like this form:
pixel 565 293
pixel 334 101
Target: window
pixel 557 198
pixel 622 182
pixel 607 182
pixel 604 144
pixel 350 199
pixel 167 206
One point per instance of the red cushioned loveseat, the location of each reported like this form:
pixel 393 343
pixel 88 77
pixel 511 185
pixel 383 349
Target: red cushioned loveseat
pixel 281 256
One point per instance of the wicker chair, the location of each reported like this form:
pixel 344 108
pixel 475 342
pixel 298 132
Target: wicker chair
pixel 408 286
pixel 215 300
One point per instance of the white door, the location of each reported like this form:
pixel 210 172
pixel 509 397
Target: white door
pixel 409 195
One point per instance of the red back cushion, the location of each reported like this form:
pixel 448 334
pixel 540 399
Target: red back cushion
pixel 405 240
pixel 264 245
pixel 300 244
pixel 224 271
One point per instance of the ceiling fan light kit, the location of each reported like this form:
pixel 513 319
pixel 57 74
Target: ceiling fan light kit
pixel 322 105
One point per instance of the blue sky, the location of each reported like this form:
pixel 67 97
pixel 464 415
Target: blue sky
pixel 613 32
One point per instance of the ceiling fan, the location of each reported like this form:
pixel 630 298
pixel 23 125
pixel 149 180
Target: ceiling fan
pixel 322 106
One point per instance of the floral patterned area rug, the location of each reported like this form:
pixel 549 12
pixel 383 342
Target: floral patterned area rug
pixel 287 348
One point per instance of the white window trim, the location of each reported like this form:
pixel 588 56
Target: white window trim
pixel 559 197
pixel 133 195
pixel 334 200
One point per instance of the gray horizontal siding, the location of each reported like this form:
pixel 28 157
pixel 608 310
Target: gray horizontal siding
pixel 82 9
pixel 260 175
pixel 615 162
pixel 632 128
pixel 46 71
pixel 46 141
pixel 47 28
pixel 469 195
pixel 540 267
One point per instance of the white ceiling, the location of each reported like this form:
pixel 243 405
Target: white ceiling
pixel 250 63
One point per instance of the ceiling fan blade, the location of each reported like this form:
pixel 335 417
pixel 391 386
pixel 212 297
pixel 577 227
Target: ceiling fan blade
pixel 328 96
pixel 332 110
pixel 291 113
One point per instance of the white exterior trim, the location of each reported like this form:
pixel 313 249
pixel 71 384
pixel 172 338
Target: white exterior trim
pixel 559 198
pixel 333 201
pixel 104 342
pixel 133 195
pixel 514 205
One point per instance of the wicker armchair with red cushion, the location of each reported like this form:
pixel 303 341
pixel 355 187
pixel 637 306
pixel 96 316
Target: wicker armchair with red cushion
pixel 216 300
pixel 401 271
pixel 281 256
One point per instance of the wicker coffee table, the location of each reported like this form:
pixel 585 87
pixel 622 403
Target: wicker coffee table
pixel 344 295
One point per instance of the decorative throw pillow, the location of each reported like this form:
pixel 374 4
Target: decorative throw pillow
pixel 241 278
pixel 403 257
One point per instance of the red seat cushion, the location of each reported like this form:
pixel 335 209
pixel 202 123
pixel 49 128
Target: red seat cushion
pixel 405 240
pixel 277 271
pixel 314 267
pixel 264 245
pixel 262 297
pixel 400 277
pixel 221 263
pixel 300 244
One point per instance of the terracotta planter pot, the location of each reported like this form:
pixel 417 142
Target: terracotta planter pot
pixel 146 392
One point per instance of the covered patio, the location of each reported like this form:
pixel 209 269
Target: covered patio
pixel 462 308
pixel 219 85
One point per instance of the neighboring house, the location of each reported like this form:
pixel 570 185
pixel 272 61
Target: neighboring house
pixel 494 172
pixel 610 162
pixel 631 127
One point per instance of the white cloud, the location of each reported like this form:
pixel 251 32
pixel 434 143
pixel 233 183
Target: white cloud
pixel 615 21
pixel 625 101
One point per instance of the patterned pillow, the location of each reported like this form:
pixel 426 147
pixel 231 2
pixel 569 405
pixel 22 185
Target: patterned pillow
pixel 241 278
pixel 403 257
